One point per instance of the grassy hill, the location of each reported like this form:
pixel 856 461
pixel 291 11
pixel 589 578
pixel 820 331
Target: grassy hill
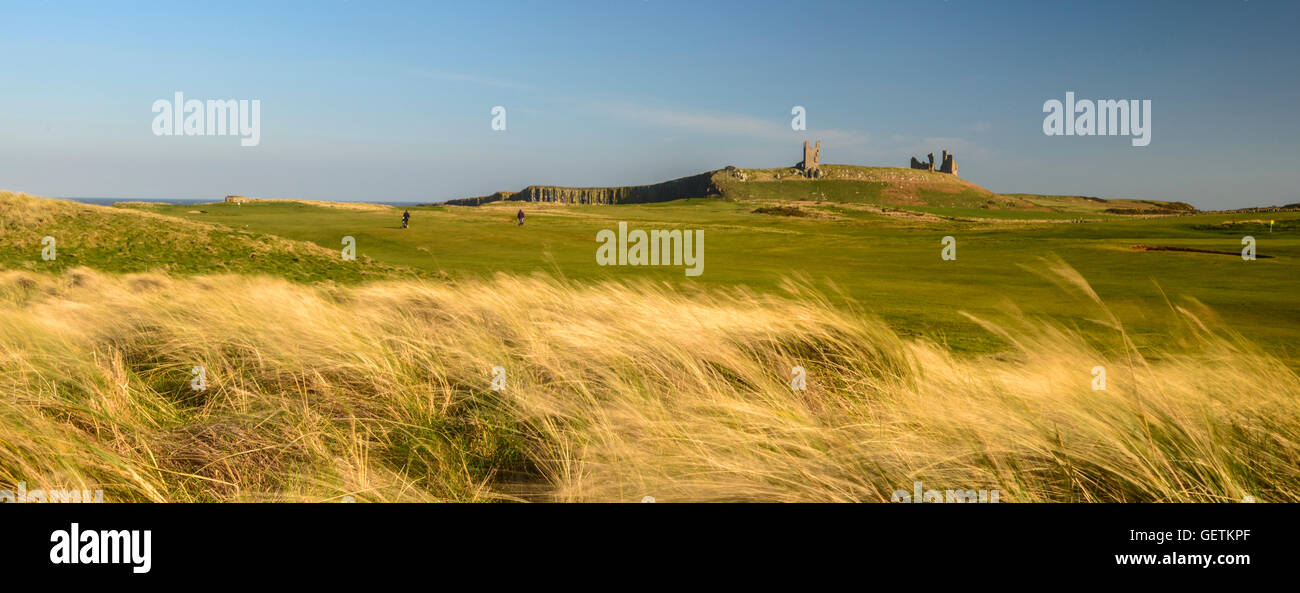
pixel 849 184
pixel 838 183
pixel 138 240
pixel 1090 205
pixel 855 184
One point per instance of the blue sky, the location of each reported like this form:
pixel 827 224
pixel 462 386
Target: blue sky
pixel 392 101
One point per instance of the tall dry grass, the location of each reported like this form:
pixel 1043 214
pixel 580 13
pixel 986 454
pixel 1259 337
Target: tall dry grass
pixel 613 392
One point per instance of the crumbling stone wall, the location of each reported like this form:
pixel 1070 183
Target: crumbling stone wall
pixel 947 165
pixel 924 166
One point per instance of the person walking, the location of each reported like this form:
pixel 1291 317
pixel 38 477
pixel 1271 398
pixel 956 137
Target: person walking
pixel 521 217
pixel 406 218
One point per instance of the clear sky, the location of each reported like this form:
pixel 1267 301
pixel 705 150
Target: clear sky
pixel 392 101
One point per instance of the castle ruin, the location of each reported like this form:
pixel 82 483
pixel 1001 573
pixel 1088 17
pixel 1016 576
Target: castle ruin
pixel 947 165
pixel 811 165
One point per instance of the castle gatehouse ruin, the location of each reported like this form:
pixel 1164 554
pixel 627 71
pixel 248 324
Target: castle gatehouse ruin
pixel 811 165
pixel 947 165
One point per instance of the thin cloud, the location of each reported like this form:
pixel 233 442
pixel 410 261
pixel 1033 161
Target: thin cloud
pixel 470 78
pixel 723 123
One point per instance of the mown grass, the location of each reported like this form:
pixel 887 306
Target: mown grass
pixel 1005 214
pixel 614 391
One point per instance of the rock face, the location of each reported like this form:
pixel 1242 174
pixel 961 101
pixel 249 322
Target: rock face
pixel 695 186
pixel 236 199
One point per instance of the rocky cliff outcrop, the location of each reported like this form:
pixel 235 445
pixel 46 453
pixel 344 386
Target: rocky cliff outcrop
pixel 695 186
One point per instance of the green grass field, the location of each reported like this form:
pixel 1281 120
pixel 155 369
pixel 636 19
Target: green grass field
pixel 370 378
pixel 887 265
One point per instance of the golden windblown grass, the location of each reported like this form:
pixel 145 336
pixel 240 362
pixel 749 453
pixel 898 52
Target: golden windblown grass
pixel 614 392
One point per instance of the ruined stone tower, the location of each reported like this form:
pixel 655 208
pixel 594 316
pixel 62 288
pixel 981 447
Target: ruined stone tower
pixel 947 165
pixel 811 157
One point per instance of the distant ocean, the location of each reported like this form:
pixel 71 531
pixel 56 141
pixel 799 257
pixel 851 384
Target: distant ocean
pixel 191 201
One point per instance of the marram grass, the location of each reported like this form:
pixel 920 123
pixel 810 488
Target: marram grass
pixel 613 392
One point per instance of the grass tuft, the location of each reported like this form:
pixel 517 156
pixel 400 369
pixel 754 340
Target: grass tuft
pixel 614 391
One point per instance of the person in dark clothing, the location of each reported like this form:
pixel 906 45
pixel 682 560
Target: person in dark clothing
pixel 406 218
pixel 521 217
